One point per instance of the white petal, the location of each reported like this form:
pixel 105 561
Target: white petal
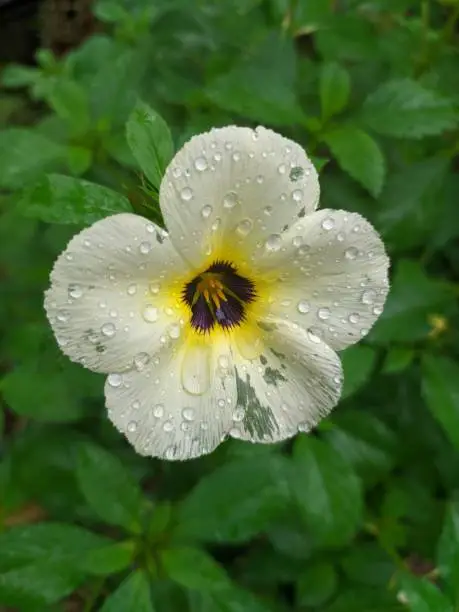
pixel 110 290
pixel 331 276
pixel 289 388
pixel 160 418
pixel 235 184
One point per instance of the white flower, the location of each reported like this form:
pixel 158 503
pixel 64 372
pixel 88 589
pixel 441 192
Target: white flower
pixel 228 324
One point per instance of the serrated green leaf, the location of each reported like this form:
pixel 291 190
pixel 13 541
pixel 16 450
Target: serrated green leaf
pixel 359 155
pixel 364 442
pixel 327 490
pixel 403 108
pixel 423 596
pixel 448 551
pixel 150 141
pixel 109 488
pixel 440 388
pixel 18 166
pixel 193 568
pixel 334 89
pixel 235 501
pixel 62 199
pixel 132 594
pixel 358 363
pixel 316 584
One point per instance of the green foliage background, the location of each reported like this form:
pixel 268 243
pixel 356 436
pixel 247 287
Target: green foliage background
pixel 361 516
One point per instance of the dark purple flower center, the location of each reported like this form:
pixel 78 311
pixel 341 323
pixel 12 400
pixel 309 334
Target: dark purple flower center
pixel 218 296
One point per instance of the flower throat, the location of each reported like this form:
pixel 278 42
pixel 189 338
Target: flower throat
pixel 218 297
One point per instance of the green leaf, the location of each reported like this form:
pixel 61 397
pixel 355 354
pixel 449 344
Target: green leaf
pixel 79 160
pixel 38 585
pixel 15 75
pixel 448 551
pixel 403 108
pixel 422 596
pixel 440 388
pixel 235 501
pixel 233 599
pixel 194 569
pixel 358 362
pixel 261 85
pixel 110 11
pixel 334 88
pixel 17 166
pixel 151 142
pixel 109 559
pixel 366 600
pixel 359 155
pixel 364 442
pixel 367 563
pixel 70 102
pixel 133 594
pixel 109 488
pixel 328 492
pixel 316 584
pixel 55 542
pixel 62 199
pixel 397 359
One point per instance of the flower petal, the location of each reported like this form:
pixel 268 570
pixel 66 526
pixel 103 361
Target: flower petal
pixel 290 388
pixel 235 184
pixel 108 302
pixel 331 276
pixel 160 418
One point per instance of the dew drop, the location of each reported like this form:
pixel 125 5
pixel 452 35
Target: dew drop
pixel 132 289
pixel 145 247
pixel 75 291
pixel 323 313
pixel 168 426
pixel 238 415
pixel 260 179
pixel 351 253
pixel 200 164
pixel 141 360
pixel 63 316
pixel 177 172
pixel 186 194
pixel 273 243
pixel 297 241
pixel 135 405
pixel 328 223
pixel 170 453
pixel 230 200
pixel 174 331
pixel 158 411
pixel 244 227
pixel 354 318
pixel 132 426
pixel 368 296
pixel 377 310
pixel 268 210
pixel 297 195
pixel 282 168
pixel 150 313
pixel 188 414
pixel 115 380
pixel 313 336
pixel 303 307
pixel 206 211
pixel 154 288
pixel 150 228
pixel 236 156
pixel 340 237
pixel 223 362
pixel 108 329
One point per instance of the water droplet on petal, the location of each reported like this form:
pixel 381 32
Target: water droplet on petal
pixel 328 223
pixel 351 253
pixel 150 228
pixel 108 329
pixel 135 405
pixel 313 337
pixel 154 288
pixel 238 415
pixel 177 172
pixel 273 242
pixel 186 194
pixel 132 289
pixel 236 156
pixel 188 414
pixel 141 360
pixel 303 307
pixel 75 291
pixel 206 211
pixel 231 199
pixel 145 247
pixel 297 241
pixel 168 426
pixel 150 313
pixel 63 316
pixel 297 195
pixel 323 313
pixel 169 453
pixel 115 380
pixel 158 411
pixel 244 227
pixel 377 310
pixel 132 426
pixel 368 296
pixel 282 168
pixel 174 331
pixel 200 164
pixel 354 318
